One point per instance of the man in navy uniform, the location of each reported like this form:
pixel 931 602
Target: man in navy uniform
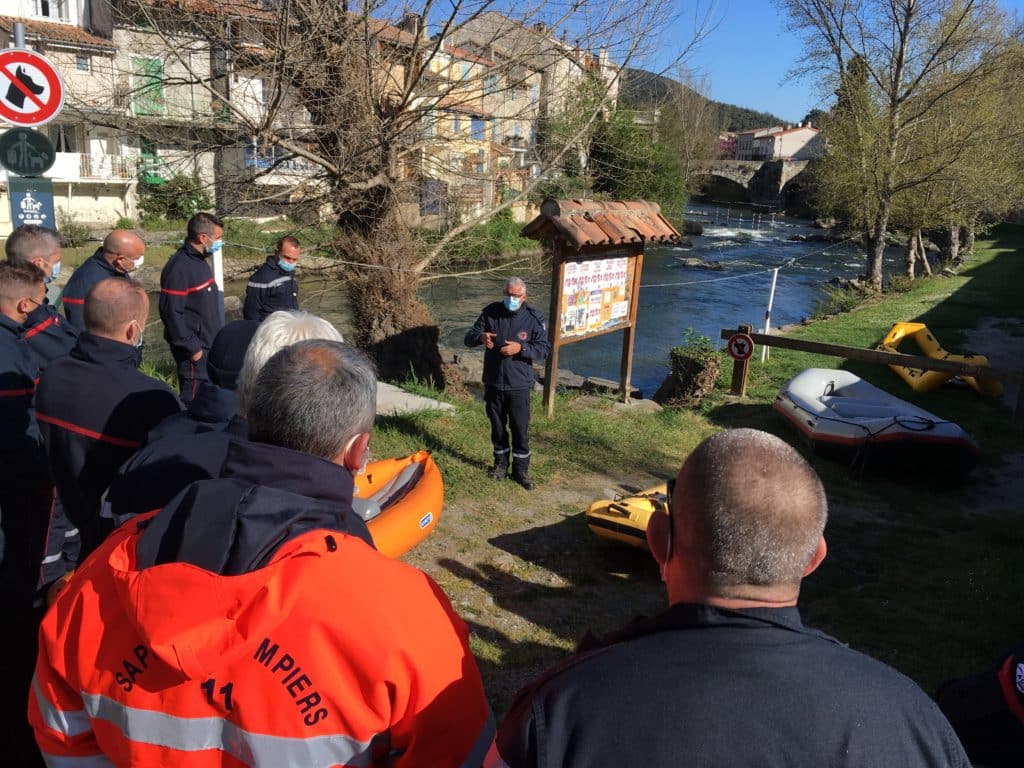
pixel 273 288
pixel 190 302
pixel 729 674
pixel 95 407
pixel 122 252
pixel 514 338
pixel 47 334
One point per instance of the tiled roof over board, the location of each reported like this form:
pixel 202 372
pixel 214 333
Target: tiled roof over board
pixel 588 222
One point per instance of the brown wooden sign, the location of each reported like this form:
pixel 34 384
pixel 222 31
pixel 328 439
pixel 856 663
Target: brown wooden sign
pixel 595 274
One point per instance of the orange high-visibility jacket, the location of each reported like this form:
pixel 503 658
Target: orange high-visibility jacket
pixel 331 654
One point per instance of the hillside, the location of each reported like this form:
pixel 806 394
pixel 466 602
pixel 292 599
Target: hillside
pixel 641 89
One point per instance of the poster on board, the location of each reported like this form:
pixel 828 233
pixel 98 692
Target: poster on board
pixel 595 295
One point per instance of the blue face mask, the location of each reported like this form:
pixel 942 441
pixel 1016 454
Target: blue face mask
pixel 513 303
pixel 286 266
pixel 54 274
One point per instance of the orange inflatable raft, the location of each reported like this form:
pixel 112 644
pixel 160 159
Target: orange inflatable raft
pixel 400 500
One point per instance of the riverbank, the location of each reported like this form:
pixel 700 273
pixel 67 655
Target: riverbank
pixel 922 576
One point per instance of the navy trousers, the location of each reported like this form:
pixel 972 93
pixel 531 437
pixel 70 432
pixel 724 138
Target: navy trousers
pixel 189 375
pixel 508 410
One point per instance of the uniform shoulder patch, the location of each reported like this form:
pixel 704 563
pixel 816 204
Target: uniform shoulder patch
pixel 1019 677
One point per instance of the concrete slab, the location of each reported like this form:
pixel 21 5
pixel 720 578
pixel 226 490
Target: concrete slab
pixel 394 401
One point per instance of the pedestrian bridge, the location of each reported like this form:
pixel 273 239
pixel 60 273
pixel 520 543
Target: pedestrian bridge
pixel 765 181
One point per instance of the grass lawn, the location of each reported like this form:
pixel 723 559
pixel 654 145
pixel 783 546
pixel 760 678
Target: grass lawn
pixel 922 575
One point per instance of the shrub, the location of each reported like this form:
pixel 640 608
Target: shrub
pixel 125 223
pixel 899 284
pixel 75 234
pixel 694 372
pixel 500 235
pixel 837 299
pixel 175 198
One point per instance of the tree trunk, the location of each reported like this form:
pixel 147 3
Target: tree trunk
pixel 876 246
pixel 922 254
pixel 911 254
pixel 951 245
pixel 967 252
pixel 390 323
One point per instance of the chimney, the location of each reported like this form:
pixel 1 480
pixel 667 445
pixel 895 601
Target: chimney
pixel 411 23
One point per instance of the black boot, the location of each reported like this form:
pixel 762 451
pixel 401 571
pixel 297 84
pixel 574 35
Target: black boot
pixel 524 480
pixel 498 472
pixel 521 471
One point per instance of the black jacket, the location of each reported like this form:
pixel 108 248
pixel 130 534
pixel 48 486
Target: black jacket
pixel 270 289
pixel 189 303
pixel 94 269
pixel 525 326
pixel 94 409
pixel 704 686
pixel 20 441
pixel 266 496
pixel 161 469
pixel 49 336
pixel 210 410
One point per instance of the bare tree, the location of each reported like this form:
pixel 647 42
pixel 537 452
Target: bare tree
pixel 897 65
pixel 385 122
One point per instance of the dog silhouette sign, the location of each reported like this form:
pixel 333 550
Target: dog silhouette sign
pixel 31 91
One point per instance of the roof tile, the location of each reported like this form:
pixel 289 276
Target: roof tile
pixel 588 222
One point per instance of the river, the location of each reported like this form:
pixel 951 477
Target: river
pixel 673 297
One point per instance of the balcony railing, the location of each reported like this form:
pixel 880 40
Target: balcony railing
pixel 80 166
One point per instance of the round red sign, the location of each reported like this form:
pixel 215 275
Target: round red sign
pixel 31 91
pixel 740 346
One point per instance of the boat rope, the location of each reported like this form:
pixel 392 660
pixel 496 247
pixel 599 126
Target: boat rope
pixel 921 424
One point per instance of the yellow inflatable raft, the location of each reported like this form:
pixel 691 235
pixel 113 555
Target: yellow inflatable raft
pixel 921 380
pixel 625 519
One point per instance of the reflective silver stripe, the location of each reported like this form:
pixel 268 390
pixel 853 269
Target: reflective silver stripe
pixel 483 746
pixel 191 734
pixel 67 722
pixel 66 761
pixel 501 450
pixel 272 284
pixel 69 533
pixel 521 455
pixel 52 558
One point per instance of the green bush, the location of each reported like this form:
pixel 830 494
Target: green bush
pixel 693 372
pixel 899 284
pixel 175 198
pixel 75 234
pixel 837 300
pixel 498 236
pixel 125 222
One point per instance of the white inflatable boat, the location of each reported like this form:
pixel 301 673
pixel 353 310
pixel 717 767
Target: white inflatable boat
pixel 838 412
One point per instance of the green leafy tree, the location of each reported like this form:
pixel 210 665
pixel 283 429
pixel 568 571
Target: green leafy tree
pixel 897 65
pixel 175 198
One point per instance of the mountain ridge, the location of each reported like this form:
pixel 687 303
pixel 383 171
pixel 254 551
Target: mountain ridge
pixel 641 89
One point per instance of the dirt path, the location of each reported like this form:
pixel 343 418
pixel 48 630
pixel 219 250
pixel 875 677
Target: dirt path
pixel 530 579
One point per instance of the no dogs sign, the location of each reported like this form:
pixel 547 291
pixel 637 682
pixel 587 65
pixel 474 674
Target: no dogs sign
pixel 31 91
pixel 740 346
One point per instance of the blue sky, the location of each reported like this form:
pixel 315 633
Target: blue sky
pixel 747 57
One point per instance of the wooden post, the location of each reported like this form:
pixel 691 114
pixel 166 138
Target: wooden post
pixel 740 369
pixel 629 335
pixel 554 327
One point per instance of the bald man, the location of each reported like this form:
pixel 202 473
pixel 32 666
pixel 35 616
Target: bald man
pixel 94 407
pixel 729 674
pixel 122 252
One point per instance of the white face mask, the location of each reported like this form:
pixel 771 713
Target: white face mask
pixel 139 262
